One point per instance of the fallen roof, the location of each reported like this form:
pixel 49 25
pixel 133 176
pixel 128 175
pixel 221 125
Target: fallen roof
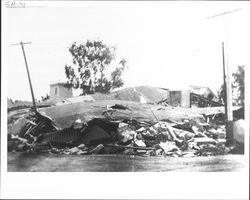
pixel 152 94
pixel 65 115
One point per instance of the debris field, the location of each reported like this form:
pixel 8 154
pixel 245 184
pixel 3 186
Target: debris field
pixel 111 133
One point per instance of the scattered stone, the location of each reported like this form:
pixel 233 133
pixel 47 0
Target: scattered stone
pixel 73 150
pixel 147 135
pixel 168 146
pixel 82 147
pixel 152 131
pixel 142 129
pixel 97 150
pixel 78 124
pixel 140 143
pixel 139 136
pixel 193 145
pixel 126 136
pixel 217 133
pixel 158 152
pixel 183 135
pixel 122 126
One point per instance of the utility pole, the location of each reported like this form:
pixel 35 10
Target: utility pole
pixel 227 85
pixel 28 73
pixel 228 100
pixel 224 79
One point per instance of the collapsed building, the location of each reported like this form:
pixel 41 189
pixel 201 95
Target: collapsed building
pixel 141 120
pixel 116 126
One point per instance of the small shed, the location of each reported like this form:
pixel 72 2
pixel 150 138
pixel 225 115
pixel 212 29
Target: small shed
pixel 203 91
pixel 60 90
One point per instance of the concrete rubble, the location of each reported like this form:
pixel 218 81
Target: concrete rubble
pixel 37 132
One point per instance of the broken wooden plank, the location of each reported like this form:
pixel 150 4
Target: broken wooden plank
pixel 131 147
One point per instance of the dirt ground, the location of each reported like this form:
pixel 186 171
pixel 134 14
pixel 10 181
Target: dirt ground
pixel 28 162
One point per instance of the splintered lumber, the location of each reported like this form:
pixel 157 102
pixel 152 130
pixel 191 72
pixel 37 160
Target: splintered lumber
pixel 131 147
pixel 209 101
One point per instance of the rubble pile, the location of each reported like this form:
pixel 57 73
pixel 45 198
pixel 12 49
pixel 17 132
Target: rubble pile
pixel 189 138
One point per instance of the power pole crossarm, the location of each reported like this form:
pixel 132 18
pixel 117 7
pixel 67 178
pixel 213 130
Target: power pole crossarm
pixel 225 13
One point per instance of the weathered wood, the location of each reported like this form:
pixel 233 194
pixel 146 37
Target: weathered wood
pixel 131 147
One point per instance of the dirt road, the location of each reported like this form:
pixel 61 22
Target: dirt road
pixel 27 162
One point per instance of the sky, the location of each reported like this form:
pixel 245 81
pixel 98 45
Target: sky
pixel 168 44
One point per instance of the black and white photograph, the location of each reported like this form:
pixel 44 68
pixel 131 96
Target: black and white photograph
pixel 96 87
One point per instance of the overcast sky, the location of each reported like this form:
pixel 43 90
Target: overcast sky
pixel 166 44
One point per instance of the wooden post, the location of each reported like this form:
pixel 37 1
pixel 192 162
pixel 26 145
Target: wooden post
pixel 228 100
pixel 229 120
pixel 224 80
pixel 26 64
pixel 227 84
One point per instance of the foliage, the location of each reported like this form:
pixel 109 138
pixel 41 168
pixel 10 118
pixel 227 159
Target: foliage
pixel 222 94
pixel 90 70
pixel 238 87
pixel 44 98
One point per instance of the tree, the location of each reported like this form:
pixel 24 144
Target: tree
pixel 222 94
pixel 91 69
pixel 44 98
pixel 238 87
